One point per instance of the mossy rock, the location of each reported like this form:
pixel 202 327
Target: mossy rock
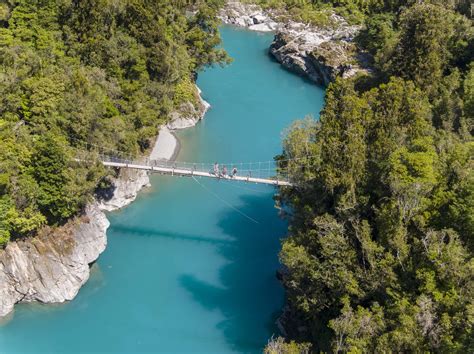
pixel 335 54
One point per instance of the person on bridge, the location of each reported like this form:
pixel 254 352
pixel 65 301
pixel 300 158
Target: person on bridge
pixel 234 172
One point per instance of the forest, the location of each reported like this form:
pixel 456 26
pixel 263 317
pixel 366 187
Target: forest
pixel 379 256
pixel 82 74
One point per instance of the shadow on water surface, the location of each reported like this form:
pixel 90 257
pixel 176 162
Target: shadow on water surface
pixel 250 289
pixel 282 67
pixel 147 232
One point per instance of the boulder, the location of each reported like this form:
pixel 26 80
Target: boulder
pixel 259 18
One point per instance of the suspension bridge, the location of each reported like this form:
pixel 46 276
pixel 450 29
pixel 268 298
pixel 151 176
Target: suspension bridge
pixel 263 172
pixel 275 173
pixel 254 173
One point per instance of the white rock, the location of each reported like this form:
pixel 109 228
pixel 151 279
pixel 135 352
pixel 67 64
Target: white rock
pixel 126 188
pixel 54 267
pixel 259 18
pixel 262 27
pixel 248 20
pixel 239 21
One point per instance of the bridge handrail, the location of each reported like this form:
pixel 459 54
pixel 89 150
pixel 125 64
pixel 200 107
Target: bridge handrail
pixel 254 171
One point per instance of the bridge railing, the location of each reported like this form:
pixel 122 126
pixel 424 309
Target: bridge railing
pixel 264 170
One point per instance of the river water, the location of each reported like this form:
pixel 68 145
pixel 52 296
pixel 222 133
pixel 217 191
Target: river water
pixel 190 267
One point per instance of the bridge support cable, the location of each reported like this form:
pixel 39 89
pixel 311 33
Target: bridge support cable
pixel 225 202
pixel 264 172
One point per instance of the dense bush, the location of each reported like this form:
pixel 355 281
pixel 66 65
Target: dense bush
pixel 78 74
pixel 380 252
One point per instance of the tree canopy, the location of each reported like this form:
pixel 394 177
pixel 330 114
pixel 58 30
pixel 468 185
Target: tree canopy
pixel 80 74
pixel 379 256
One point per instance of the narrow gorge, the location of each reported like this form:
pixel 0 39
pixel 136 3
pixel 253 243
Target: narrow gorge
pixel 181 250
pixel 40 270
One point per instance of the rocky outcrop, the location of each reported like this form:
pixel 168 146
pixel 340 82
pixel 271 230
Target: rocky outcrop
pixel 189 113
pixel 124 189
pixel 247 15
pixel 54 265
pixel 319 53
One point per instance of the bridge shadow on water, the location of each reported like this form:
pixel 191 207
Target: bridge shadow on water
pixel 250 290
pixel 147 232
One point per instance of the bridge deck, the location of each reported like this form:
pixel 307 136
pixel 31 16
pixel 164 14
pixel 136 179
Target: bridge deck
pixel 190 173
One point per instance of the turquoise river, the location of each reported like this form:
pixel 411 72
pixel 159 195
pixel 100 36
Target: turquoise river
pixel 183 270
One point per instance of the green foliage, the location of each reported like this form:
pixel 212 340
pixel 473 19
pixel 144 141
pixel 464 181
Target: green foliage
pixel 318 12
pixel 185 92
pixel 380 252
pixel 354 330
pixel 81 74
pixel 429 29
pixel 49 167
pixel 379 38
pixel 202 36
pixel 279 346
pixel 5 216
pixel 313 12
pixel 468 88
pixel 4 12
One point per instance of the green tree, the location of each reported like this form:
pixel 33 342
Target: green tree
pixel 50 170
pixel 384 201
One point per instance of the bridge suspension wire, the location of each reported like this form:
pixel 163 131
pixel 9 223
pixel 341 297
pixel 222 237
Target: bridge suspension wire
pixel 224 201
pixel 233 185
pixel 130 157
pixel 274 172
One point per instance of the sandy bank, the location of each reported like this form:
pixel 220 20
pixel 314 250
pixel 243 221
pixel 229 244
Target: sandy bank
pixel 166 146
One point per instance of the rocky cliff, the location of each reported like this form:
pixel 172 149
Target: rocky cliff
pixel 54 265
pixel 320 53
pixel 124 189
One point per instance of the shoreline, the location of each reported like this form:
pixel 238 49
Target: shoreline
pixel 167 146
pixel 319 52
pixel 177 148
